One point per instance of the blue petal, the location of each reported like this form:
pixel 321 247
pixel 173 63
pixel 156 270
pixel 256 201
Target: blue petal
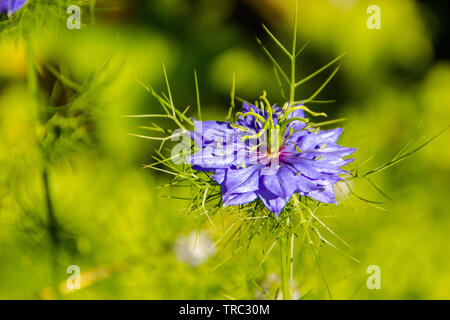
pixel 241 180
pixel 304 184
pixel 277 189
pixel 310 141
pixel 272 202
pixel 325 194
pixel 219 175
pixel 238 198
pixel 315 169
pixel 11 5
pixel 222 155
pixel 207 132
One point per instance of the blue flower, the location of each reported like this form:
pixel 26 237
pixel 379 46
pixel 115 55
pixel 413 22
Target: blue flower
pixel 270 153
pixel 11 6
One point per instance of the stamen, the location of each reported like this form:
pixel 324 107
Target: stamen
pixel 252 114
pixel 304 108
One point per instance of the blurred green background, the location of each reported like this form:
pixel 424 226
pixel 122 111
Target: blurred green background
pixel 73 190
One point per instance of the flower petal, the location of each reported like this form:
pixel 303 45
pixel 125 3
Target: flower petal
pixel 11 5
pixel 310 141
pixel 207 132
pixel 235 199
pixel 241 180
pixel 272 202
pixel 219 175
pixel 325 194
pixel 277 189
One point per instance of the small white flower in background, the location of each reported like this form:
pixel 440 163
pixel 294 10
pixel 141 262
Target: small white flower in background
pixel 295 293
pixel 194 248
pixel 270 285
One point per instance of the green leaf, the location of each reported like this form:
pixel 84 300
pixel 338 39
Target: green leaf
pixel 319 71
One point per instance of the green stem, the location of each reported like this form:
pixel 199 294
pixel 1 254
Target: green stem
pixel 52 222
pixel 33 87
pixel 292 95
pixel 284 275
pixel 293 56
pixel 291 263
pixel 92 11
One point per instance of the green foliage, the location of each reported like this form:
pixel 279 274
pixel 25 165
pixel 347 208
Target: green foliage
pixel 63 138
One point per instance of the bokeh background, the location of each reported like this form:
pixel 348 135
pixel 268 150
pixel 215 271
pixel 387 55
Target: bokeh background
pixel 73 190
